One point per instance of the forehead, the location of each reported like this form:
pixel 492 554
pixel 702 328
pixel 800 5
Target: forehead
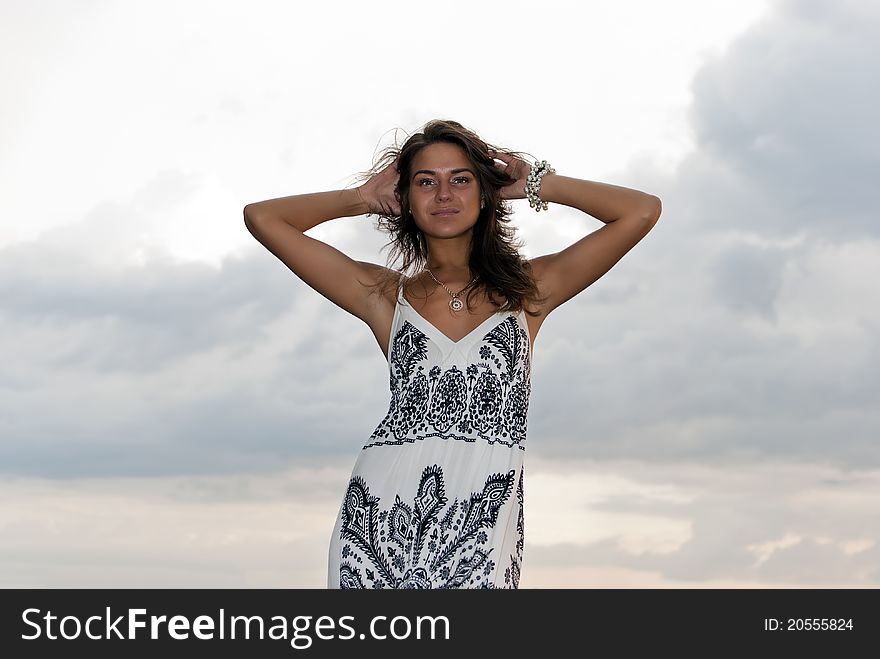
pixel 441 155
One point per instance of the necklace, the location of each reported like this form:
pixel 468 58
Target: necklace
pixel 455 304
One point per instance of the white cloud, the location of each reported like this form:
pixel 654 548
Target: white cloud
pixel 588 524
pixel 149 343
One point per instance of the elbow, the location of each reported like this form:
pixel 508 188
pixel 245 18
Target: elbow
pixel 251 221
pixel 249 214
pixel 654 209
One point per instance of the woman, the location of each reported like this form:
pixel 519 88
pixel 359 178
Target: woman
pixel 435 499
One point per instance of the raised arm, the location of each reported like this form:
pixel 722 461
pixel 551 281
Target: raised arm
pixel 280 225
pixel 628 216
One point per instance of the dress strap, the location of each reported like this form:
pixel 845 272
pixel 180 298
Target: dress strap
pixel 400 283
pixel 395 319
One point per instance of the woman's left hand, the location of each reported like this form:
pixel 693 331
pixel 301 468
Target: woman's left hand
pixel 515 168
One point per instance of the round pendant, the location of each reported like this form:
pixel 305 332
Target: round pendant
pixel 455 304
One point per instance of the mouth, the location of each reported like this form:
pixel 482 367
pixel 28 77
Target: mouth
pixel 444 212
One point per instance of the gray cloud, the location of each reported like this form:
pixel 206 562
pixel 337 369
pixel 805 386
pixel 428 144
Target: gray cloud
pixel 136 318
pixel 738 339
pixel 711 341
pixel 171 367
pixel 745 324
pixel 749 279
pixel 774 522
pixel 785 125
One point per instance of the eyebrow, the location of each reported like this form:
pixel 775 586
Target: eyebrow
pixel 454 171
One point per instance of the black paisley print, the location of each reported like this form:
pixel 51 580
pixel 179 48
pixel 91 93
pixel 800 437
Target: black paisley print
pixel 477 408
pixel 430 543
pixel 488 401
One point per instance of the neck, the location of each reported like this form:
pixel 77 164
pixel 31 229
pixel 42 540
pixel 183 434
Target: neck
pixel 449 259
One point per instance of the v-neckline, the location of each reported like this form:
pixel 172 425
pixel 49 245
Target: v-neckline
pixel 436 330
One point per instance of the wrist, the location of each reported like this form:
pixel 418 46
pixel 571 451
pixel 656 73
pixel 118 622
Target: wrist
pixel 534 183
pixel 547 187
pixel 358 201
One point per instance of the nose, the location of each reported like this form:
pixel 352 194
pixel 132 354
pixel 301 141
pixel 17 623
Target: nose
pixel 443 190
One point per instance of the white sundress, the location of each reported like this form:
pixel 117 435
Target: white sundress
pixel 435 498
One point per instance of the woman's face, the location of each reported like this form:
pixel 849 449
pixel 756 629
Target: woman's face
pixel 443 178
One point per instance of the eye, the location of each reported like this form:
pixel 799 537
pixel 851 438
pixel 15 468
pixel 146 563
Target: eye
pixel 463 179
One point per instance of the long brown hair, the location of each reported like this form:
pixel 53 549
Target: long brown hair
pixel 494 259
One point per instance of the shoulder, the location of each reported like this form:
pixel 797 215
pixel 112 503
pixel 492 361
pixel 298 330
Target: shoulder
pixel 381 281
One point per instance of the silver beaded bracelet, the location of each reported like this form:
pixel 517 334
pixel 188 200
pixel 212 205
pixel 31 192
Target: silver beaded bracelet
pixel 533 184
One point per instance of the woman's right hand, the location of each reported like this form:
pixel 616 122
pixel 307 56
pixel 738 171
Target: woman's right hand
pixel 378 192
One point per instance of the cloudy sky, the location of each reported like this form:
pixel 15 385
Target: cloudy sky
pixel 178 409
